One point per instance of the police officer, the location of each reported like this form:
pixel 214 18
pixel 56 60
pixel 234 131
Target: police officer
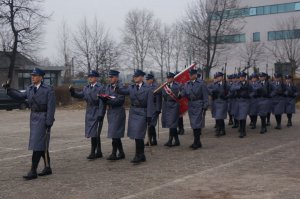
pixel 219 92
pixel 230 82
pixel 234 105
pixel 157 100
pixel 253 109
pixel 290 95
pixel 197 95
pixel 93 115
pixel 278 100
pixel 242 95
pixel 140 113
pixel 263 94
pixel 170 109
pixel 41 99
pixel 116 116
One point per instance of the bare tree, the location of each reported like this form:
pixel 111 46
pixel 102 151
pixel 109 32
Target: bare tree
pixel 286 46
pixel 138 33
pixel 206 21
pixel 83 46
pixel 251 53
pixel 24 19
pixel 177 37
pixel 161 50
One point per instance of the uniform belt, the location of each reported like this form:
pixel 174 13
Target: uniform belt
pixel 38 110
pixel 192 100
pixel 138 106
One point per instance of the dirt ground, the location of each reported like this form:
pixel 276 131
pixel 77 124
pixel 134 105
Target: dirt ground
pixel 256 167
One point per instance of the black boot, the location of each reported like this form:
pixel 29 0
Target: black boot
pixel 278 121
pixel 268 119
pixel 222 129
pixel 113 155
pixel 218 128
pixel 197 143
pixel 140 155
pixel 235 124
pixel 251 120
pixel 32 174
pixel 154 140
pixel 176 138
pixel 254 122
pixel 47 169
pixel 230 122
pixel 289 123
pixel 263 124
pixel 92 155
pixel 121 154
pixel 242 128
pixel 169 143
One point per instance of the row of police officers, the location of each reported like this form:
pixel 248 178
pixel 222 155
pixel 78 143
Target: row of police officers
pixel 236 97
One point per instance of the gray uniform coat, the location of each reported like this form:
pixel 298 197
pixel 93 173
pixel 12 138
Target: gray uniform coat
pixel 42 105
pixel 219 94
pixel 253 107
pixel 290 94
pixel 141 108
pixel 116 115
pixel 242 95
pixel 233 98
pixel 278 99
pixel 92 122
pixel 157 101
pixel 197 94
pixel 170 107
pixel 263 93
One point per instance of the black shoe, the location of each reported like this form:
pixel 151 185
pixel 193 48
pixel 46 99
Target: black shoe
pixel 31 175
pixel 177 143
pixel 222 133
pixel 196 146
pixel 138 159
pixel 46 171
pixel 289 124
pixel 181 131
pixel 92 156
pixel 112 157
pixel 99 155
pixel 169 144
pixel 121 156
pixel 278 127
pixel 241 136
pixel 154 143
pixel 230 122
pixel 235 126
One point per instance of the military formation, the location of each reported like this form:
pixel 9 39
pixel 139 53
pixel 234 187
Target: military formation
pixel 235 96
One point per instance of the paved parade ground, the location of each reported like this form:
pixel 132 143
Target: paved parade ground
pixel 258 166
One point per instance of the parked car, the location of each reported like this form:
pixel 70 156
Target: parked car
pixel 8 103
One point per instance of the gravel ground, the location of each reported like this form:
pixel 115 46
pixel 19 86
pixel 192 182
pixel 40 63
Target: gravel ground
pixel 259 166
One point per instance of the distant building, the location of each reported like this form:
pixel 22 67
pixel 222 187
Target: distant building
pixel 260 18
pixel 23 68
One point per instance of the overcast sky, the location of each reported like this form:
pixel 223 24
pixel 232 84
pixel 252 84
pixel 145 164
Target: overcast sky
pixel 110 12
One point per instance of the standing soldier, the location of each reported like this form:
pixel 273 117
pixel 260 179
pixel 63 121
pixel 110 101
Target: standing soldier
pixel 253 109
pixel 41 99
pixel 197 95
pixel 233 99
pixel 140 113
pixel 242 95
pixel 170 109
pixel 93 118
pixel 219 92
pixel 263 92
pixel 116 116
pixel 157 104
pixel 230 82
pixel 278 100
pixel 290 94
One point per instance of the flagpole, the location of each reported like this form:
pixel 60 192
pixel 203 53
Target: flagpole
pixel 164 84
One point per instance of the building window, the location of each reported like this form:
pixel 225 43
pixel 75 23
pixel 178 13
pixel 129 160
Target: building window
pixel 229 39
pixel 284 34
pixel 267 10
pixel 256 37
pixel 297 6
pixel 260 10
pixel 274 9
pixel 252 11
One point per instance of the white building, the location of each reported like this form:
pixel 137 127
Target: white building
pixel 261 28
